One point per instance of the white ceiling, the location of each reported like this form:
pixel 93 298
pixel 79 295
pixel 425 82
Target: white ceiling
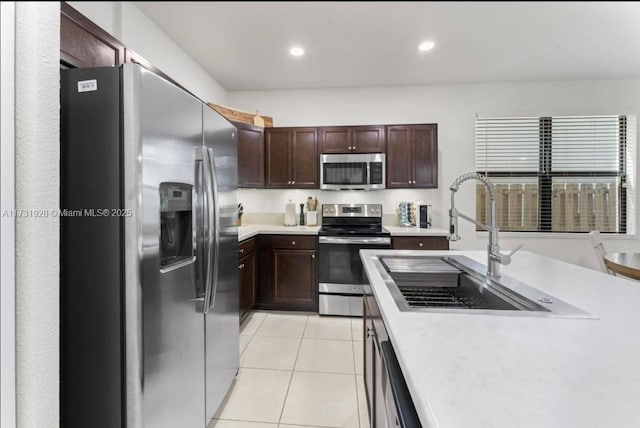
pixel 244 45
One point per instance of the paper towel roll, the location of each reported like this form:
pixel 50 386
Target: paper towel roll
pixel 290 214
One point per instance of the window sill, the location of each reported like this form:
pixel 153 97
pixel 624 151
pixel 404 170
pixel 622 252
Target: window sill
pixel 544 235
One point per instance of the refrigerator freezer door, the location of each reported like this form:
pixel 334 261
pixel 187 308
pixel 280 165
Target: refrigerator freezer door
pixel 222 318
pixel 165 370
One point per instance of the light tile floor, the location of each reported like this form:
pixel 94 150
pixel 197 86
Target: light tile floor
pixel 297 370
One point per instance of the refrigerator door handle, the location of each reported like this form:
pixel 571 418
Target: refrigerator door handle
pixel 216 228
pixel 208 242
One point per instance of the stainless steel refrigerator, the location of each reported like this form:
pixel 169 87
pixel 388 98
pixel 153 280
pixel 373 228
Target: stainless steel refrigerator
pixel 148 252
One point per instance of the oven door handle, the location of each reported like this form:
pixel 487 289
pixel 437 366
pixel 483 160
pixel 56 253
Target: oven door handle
pixel 354 240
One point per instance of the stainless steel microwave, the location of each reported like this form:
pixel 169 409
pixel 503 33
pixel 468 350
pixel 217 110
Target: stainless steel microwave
pixel 353 171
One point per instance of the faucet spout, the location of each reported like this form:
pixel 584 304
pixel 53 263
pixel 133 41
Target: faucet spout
pixel 494 257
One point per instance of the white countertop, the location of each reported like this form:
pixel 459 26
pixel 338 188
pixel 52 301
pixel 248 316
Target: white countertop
pixel 525 372
pixel 415 231
pixel 251 230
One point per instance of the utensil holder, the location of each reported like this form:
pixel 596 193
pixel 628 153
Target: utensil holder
pixel 312 218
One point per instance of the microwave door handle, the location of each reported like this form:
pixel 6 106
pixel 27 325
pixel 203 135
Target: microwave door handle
pixel 216 227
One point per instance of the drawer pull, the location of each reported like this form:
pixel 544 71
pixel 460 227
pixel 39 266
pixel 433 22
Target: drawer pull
pixel 313 256
pixel 293 242
pixel 420 244
pixel 241 250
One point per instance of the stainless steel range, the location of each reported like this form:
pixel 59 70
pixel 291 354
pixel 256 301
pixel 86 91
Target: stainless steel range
pixel 347 229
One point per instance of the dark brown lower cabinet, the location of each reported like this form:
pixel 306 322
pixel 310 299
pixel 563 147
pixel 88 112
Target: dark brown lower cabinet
pixel 420 243
pixel 288 273
pixel 374 334
pixel 294 276
pixel 247 276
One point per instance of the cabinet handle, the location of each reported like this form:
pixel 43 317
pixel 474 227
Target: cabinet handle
pixel 313 256
pixel 241 250
pixel 370 332
pixel 241 266
pixel 293 182
pixel 419 244
pixel 293 242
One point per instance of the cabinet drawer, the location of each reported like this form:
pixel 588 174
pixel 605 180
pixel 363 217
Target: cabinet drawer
pixel 247 246
pixel 420 243
pixel 294 242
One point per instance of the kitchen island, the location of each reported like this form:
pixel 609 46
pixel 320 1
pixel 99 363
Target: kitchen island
pixel 474 370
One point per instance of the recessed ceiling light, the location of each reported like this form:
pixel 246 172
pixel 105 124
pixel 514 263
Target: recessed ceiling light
pixel 296 51
pixel 426 46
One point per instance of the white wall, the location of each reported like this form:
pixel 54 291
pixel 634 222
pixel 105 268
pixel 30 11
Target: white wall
pixel 453 108
pixel 132 27
pixel 37 175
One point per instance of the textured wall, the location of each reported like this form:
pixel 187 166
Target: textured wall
pixel 37 238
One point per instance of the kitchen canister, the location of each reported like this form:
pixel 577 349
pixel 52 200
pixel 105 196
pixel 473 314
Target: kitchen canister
pixel 290 214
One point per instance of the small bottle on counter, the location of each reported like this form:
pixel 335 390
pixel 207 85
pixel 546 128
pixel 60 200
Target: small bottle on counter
pixel 301 214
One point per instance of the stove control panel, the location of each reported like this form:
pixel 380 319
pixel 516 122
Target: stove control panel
pixel 352 210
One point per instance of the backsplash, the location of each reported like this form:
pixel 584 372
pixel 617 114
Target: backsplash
pixel 267 205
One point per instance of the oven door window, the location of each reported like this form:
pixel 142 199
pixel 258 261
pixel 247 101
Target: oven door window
pixel 344 173
pixel 341 264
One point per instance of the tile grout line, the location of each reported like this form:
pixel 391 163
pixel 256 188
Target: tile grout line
pixel 286 395
pixel 251 336
pixel 355 375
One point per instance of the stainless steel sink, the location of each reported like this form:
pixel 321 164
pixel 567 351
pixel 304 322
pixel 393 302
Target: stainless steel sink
pixel 459 284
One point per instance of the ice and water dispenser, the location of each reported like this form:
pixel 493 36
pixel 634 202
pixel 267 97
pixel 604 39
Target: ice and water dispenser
pixel 176 228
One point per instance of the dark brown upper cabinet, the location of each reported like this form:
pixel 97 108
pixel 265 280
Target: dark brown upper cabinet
pixel 412 156
pixel 84 44
pixel 353 139
pixel 250 155
pixel 292 159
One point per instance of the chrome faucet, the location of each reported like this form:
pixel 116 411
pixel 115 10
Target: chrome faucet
pixel 494 257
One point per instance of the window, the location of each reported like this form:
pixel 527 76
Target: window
pixel 558 174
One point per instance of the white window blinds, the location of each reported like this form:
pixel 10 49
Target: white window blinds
pixel 509 144
pixel 560 173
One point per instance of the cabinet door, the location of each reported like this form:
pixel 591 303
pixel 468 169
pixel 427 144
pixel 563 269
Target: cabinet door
pixel 367 139
pixel 369 362
pixel 425 156
pixel 84 44
pixel 294 276
pixel 379 408
pixel 247 283
pixel 250 157
pixel 399 161
pixel 277 146
pixel 305 159
pixel 336 139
